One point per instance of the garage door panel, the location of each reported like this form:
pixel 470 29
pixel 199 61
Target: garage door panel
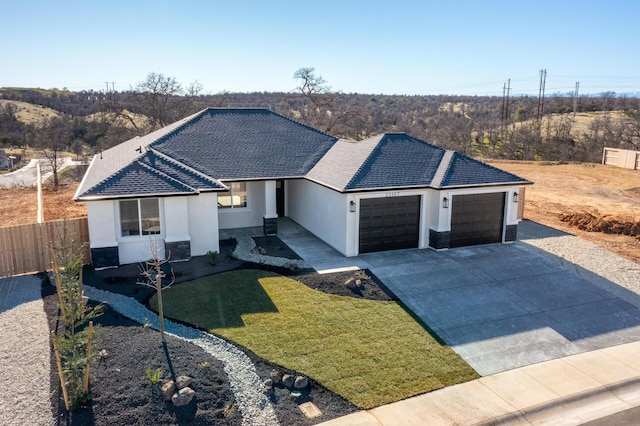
pixel 477 219
pixel 389 223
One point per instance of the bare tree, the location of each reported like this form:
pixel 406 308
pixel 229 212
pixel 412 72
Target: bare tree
pixel 325 108
pixel 163 99
pixel 153 275
pixel 53 138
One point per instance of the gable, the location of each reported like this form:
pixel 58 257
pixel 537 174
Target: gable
pixel 466 171
pixel 138 179
pixel 398 160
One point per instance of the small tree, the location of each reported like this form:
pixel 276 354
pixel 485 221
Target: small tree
pixel 73 346
pixel 153 275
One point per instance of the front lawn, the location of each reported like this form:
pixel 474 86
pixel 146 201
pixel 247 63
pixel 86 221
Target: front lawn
pixel 370 352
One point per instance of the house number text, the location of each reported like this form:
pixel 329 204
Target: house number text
pixel 392 194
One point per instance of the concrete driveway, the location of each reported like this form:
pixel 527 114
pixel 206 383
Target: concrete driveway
pixel 499 306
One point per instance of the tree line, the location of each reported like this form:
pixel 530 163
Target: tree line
pixel 91 121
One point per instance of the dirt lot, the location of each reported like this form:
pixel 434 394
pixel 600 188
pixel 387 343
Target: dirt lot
pixel 589 196
pixel 19 206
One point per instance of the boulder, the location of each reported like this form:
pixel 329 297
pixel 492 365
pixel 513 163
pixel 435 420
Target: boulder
pixel 183 382
pixel 268 382
pixel 352 284
pixel 275 376
pixel 301 382
pixel 288 380
pixel 183 397
pixel 267 390
pixel 168 389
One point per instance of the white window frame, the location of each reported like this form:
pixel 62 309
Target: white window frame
pixel 141 232
pixel 232 205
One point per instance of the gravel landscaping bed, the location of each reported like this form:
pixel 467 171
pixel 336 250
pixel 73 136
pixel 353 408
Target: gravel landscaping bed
pixel 228 389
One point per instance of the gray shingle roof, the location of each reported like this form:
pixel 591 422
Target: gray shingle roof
pixel 196 153
pixel 138 179
pixel 236 144
pixel 465 171
pixel 391 160
pixel 397 160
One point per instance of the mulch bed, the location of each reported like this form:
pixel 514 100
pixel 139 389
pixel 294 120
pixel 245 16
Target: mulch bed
pixel 120 390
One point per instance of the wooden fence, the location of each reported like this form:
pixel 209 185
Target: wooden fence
pixel 27 248
pixel 621 158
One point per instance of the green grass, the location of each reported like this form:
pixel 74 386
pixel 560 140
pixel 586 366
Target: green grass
pixel 370 352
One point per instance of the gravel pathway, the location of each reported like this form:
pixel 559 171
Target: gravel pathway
pixel 588 260
pixel 244 251
pixel 24 353
pixel 244 380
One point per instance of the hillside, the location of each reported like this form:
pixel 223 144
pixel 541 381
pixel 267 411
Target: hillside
pixel 29 113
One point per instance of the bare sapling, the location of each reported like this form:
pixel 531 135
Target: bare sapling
pixel 153 274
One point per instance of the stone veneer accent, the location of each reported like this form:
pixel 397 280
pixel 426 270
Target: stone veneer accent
pixel 104 257
pixel 270 226
pixel 511 233
pixel 439 240
pixel 178 250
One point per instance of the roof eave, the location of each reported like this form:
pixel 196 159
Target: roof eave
pixel 129 196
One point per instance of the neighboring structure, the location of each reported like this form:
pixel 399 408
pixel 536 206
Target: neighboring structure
pixel 175 188
pixel 4 160
pixel 621 158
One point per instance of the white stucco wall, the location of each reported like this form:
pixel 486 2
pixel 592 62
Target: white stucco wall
pixel 203 223
pixel 176 214
pixel 320 210
pixel 246 216
pixel 102 224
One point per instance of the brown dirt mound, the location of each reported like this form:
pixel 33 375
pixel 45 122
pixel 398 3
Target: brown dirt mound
pixel 608 224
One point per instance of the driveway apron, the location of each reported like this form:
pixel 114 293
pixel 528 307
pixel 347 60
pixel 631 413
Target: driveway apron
pixel 499 306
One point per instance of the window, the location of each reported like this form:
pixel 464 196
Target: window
pixel 139 217
pixel 235 198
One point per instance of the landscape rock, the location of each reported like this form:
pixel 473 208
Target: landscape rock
pixel 183 397
pixel 275 376
pixel 352 284
pixel 288 380
pixel 267 390
pixel 168 389
pixel 301 382
pixel 183 381
pixel 268 382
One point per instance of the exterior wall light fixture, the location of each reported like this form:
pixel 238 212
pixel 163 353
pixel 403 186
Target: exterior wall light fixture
pixel 515 197
pixel 352 206
pixel 445 203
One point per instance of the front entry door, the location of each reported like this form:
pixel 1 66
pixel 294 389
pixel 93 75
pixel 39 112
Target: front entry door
pixel 280 198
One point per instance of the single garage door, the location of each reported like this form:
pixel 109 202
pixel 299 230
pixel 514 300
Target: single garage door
pixel 389 223
pixel 477 219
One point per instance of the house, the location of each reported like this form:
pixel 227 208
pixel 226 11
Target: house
pixel 173 190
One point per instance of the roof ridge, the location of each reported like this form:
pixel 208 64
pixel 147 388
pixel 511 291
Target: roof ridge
pixel 443 168
pixel 380 137
pixel 184 166
pixel 165 176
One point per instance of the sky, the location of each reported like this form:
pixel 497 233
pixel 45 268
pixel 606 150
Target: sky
pixel 402 47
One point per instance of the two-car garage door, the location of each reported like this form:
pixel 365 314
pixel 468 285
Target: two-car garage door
pixel 394 223
pixel 389 223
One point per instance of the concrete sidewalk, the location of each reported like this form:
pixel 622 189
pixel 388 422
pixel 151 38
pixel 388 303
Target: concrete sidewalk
pixel 570 390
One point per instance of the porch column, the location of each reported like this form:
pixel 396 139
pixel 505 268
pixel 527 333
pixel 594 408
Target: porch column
pixel 270 218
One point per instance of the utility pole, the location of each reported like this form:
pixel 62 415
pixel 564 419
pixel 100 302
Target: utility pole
pixel 543 80
pixel 575 99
